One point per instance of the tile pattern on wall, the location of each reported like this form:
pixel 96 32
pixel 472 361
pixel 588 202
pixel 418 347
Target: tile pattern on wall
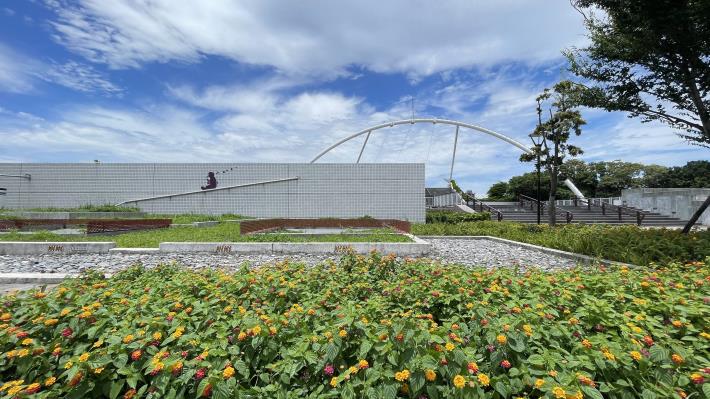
pixel 392 191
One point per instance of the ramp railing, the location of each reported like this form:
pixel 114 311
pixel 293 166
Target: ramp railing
pixel 207 191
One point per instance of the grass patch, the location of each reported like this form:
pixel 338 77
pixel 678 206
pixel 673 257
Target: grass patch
pixel 628 244
pixel 223 232
pixel 366 327
pixel 82 208
pixel 186 218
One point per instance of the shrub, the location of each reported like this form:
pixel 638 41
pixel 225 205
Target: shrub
pixel 628 244
pixel 366 327
pixel 455 217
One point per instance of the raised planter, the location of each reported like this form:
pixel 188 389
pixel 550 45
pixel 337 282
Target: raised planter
pixel 37 248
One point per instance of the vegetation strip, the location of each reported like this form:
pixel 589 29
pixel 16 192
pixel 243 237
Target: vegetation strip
pixel 365 327
pixel 627 244
pixel 222 232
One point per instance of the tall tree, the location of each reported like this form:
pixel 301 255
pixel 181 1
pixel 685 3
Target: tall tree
pixel 650 58
pixel 564 119
pixel 582 174
pixel 499 191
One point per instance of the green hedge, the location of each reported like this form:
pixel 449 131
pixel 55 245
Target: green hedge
pixel 451 217
pixel 628 244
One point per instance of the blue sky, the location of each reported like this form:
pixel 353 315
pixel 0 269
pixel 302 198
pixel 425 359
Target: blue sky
pixel 266 81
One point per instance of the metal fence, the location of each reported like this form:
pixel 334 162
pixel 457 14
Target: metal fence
pixel 444 201
pixel 607 200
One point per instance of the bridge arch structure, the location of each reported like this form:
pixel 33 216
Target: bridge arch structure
pixel 368 131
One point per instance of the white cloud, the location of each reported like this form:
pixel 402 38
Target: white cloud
pixel 15 71
pixel 20 73
pixel 633 141
pixel 80 77
pixel 316 37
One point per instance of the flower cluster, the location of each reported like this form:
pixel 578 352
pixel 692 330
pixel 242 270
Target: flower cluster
pixel 370 326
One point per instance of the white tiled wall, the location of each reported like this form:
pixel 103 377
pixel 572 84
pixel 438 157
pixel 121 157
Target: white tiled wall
pixel 323 190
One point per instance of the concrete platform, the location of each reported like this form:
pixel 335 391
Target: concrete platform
pixel 134 251
pixel 416 248
pixel 34 278
pixel 35 248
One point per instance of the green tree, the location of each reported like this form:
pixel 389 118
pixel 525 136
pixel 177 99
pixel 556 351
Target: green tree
pixel 650 58
pixel 693 174
pixel 582 174
pixel 653 175
pixel 615 176
pixel 499 191
pixel 564 119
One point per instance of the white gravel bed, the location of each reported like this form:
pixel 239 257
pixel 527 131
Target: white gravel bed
pixel 489 253
pixel 112 263
pixel 483 253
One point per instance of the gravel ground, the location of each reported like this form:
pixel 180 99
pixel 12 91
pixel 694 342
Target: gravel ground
pixel 490 253
pixel 485 253
pixel 115 262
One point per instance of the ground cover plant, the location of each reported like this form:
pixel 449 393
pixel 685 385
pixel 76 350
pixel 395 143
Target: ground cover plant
pixel 222 232
pixel 629 244
pixel 365 327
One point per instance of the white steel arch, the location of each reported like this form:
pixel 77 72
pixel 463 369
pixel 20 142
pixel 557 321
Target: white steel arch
pixel 458 125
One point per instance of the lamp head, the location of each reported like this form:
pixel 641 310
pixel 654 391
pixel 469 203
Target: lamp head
pixel 536 138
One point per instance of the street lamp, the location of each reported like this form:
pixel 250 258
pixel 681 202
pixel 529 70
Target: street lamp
pixel 537 139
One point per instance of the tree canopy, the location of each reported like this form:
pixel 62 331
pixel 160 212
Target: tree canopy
pixel 606 179
pixel 650 58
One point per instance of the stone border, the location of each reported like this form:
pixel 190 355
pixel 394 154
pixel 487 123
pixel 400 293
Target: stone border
pixel 59 247
pixel 551 251
pixel 134 251
pixel 418 247
pixel 34 278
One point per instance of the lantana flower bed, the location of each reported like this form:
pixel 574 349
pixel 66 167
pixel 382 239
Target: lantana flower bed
pixel 373 327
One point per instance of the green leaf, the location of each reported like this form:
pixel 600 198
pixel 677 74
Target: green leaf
pixel 390 391
pixel 517 345
pixel 201 387
pixel 502 389
pixel 647 394
pixel 365 347
pixel 416 382
pixel 706 390
pixel 658 354
pixel 221 391
pixel 591 392
pixel 241 368
pixel 116 388
pixel 536 360
pixel 331 351
pixel 393 358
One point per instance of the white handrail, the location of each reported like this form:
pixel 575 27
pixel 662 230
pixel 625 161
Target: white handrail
pixel 206 191
pixel 25 176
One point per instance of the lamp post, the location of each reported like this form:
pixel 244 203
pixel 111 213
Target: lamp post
pixel 537 139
